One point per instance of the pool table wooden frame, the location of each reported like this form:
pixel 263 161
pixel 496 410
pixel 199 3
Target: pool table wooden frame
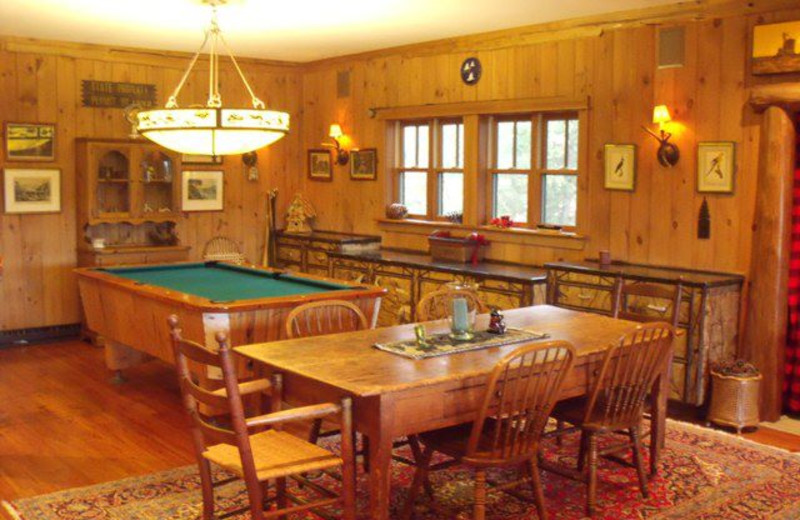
pixel 130 318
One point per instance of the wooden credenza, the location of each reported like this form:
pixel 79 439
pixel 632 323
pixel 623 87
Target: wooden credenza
pixel 709 313
pixel 410 276
pixel 309 253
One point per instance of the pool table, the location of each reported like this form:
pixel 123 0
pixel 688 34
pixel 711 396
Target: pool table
pixel 127 307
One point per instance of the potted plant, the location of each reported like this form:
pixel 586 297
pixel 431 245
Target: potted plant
pixel 734 394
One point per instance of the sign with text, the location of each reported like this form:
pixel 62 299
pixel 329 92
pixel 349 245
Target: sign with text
pixel 114 94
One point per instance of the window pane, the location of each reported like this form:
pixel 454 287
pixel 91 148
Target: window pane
pixel 451 193
pixel 556 152
pixel 572 144
pixel 505 145
pixel 450 146
pixel 422 145
pixel 410 146
pixel 460 145
pixel 414 192
pixel 511 196
pixel 523 150
pixel 560 199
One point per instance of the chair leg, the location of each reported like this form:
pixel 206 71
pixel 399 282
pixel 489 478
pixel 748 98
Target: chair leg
pixel 636 442
pixel 559 439
pixel 655 456
pixel 349 489
pixel 280 487
pixel 416 450
pixel 582 451
pixel 208 490
pixel 538 492
pixel 316 429
pixel 480 495
pixel 365 452
pixel 420 475
pixel 591 493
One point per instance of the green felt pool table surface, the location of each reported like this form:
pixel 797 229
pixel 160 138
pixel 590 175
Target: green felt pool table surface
pixel 224 282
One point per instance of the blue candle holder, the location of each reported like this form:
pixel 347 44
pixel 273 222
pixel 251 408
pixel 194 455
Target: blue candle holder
pixel 461 320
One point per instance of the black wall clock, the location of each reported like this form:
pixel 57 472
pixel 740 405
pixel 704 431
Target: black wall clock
pixel 471 71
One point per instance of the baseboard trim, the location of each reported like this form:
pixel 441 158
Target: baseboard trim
pixel 10 338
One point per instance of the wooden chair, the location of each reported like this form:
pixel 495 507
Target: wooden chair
pixel 223 249
pixel 325 317
pixel 245 446
pixel 669 313
pixel 436 305
pixel 520 393
pixel 627 373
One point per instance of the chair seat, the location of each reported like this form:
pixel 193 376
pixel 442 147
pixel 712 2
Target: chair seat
pixel 572 410
pixel 276 454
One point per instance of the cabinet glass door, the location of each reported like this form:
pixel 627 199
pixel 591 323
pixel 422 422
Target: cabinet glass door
pixel 113 183
pixel 157 176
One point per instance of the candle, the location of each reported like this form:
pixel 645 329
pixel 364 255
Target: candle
pixel 460 315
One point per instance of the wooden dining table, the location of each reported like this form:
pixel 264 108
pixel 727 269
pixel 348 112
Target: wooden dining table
pixel 394 396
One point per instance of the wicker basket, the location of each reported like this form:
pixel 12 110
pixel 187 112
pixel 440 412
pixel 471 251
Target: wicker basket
pixel 734 400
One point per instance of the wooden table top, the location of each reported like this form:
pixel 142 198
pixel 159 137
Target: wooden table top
pixel 350 362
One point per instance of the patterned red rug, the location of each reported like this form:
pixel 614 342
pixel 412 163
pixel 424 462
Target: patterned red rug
pixel 705 475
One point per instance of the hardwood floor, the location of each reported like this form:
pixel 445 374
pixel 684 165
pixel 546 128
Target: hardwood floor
pixel 64 425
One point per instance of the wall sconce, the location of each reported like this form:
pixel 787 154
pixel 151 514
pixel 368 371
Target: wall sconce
pixel 336 134
pixel 668 154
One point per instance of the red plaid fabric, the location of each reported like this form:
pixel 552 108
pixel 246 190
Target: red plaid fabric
pixel 791 385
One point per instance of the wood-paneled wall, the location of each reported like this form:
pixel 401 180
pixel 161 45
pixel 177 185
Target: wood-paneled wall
pixel 40 82
pixel 616 67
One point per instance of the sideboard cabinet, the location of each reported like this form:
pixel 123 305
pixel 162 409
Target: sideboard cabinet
pixel 708 317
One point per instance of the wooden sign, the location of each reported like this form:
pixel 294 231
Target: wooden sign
pixel 113 94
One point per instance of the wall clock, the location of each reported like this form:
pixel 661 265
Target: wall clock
pixel 471 71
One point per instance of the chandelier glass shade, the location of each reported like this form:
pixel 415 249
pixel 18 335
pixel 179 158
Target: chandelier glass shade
pixel 213 129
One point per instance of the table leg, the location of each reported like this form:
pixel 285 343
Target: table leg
pixel 658 424
pixel 380 463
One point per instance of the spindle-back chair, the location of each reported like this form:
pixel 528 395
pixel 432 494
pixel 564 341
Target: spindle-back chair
pixel 653 293
pixel 438 304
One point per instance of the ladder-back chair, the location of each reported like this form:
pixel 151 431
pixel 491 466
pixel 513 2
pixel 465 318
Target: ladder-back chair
pixel 627 373
pixel 520 393
pixel 255 449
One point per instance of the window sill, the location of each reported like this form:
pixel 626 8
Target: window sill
pixel 524 236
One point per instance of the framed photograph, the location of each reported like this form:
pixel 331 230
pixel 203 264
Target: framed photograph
pixel 32 190
pixel 364 164
pixel 30 142
pixel 202 190
pixel 201 159
pixel 620 167
pixel 716 167
pixel 319 165
pixel 776 48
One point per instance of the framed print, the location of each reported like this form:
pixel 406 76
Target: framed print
pixel 364 164
pixel 32 190
pixel 319 165
pixel 620 167
pixel 201 159
pixel 30 142
pixel 716 167
pixel 202 190
pixel 776 49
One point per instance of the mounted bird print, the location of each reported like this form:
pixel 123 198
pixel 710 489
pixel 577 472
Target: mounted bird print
pixel 620 167
pixel 716 167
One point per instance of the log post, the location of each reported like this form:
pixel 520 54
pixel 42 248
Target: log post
pixel 765 326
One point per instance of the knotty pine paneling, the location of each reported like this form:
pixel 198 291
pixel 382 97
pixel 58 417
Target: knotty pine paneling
pixel 616 67
pixel 37 287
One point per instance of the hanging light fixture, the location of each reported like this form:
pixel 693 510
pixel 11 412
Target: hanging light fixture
pixel 214 129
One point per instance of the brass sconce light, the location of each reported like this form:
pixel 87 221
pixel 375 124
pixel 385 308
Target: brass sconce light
pixel 668 154
pixel 336 134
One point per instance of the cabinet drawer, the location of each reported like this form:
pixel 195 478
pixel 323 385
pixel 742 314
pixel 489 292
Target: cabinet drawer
pixel 290 255
pixel 592 299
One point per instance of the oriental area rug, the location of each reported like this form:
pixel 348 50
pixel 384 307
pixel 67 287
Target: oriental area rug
pixel 705 475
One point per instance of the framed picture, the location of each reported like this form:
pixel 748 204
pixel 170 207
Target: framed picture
pixel 202 190
pixel 620 167
pixel 319 165
pixel 32 190
pixel 364 164
pixel 30 142
pixel 201 159
pixel 776 48
pixel 716 167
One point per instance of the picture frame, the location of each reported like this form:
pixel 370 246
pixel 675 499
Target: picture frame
pixel 320 165
pixel 716 167
pixel 202 190
pixel 201 159
pixel 30 142
pixel 620 167
pixel 32 190
pixel 775 48
pixel 364 164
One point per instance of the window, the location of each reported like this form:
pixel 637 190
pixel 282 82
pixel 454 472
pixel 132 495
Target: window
pixel 431 167
pixel 535 180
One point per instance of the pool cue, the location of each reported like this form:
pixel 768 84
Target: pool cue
pixel 267 235
pixel 273 250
